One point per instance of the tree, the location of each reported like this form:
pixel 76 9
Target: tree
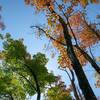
pixel 57 18
pixel 31 71
pixel 10 87
pixel 87 36
pixel 72 80
pixel 58 91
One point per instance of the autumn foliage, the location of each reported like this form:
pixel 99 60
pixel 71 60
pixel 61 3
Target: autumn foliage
pixel 82 33
pixel 85 33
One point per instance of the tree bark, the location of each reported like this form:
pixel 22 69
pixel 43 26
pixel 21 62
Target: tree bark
pixel 83 82
pixel 92 62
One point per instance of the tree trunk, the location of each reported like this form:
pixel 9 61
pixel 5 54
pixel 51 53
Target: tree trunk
pixel 74 87
pixel 36 81
pixel 92 62
pixel 73 84
pixel 83 82
pixel 80 95
pixel 37 85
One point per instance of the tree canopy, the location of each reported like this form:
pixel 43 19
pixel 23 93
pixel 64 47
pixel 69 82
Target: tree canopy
pixel 71 35
pixel 65 25
pixel 58 91
pixel 30 71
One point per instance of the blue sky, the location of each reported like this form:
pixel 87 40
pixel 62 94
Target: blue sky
pixel 18 18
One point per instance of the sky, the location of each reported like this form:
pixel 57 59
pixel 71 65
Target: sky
pixel 18 18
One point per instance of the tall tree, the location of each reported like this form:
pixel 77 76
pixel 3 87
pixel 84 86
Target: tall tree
pixel 54 18
pixel 31 70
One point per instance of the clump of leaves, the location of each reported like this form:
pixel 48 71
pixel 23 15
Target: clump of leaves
pixel 31 71
pixel 58 91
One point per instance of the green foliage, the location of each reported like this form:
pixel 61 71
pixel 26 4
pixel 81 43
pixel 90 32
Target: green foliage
pixel 17 62
pixel 15 49
pixel 1 36
pixel 10 86
pixel 58 92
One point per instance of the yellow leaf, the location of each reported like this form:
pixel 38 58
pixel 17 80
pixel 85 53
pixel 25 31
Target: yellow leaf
pixel 99 59
pixel 94 1
pixel 51 29
pixel 98 78
pixel 96 74
pixel 57 17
